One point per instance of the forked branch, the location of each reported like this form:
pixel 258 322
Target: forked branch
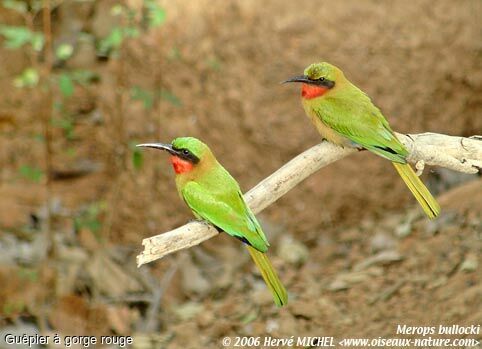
pixel 455 153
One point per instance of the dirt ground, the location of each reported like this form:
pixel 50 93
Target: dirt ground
pixel 349 243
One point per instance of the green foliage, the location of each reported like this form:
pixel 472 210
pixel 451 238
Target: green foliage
pixel 64 51
pixel 66 85
pixel 66 124
pixel 13 307
pixel 28 274
pixel 22 6
pixel 16 37
pixel 28 78
pixel 249 317
pixel 84 77
pixel 63 81
pixel 156 15
pixel 147 97
pixel 15 5
pixel 71 152
pixel 214 63
pixel 89 217
pixel 137 156
pixel 171 98
pixel 39 137
pixel 112 42
pixel 68 79
pixel 117 10
pixel 31 173
pixel 174 54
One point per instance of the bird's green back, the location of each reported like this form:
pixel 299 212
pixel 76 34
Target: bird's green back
pixel 351 113
pixel 214 195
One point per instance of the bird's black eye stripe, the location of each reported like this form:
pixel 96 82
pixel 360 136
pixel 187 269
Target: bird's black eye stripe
pixel 186 155
pixel 182 151
pixel 322 81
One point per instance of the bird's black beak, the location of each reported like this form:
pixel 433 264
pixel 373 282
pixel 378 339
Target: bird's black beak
pixel 305 79
pixel 163 146
pixel 300 78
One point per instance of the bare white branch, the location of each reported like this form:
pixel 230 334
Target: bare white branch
pixel 455 153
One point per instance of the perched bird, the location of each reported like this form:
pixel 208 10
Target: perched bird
pixel 214 195
pixel 345 115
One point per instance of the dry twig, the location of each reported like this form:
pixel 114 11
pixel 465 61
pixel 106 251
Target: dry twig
pixel 455 153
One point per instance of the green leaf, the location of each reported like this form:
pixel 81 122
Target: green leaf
pixel 112 41
pixel 136 155
pixel 36 5
pixel 12 307
pixel 66 124
pixel 15 37
pixel 116 10
pixel 137 159
pixel 156 14
pixel 214 63
pixel 66 85
pixel 58 106
pixel 71 152
pixel 131 32
pixel 33 174
pixel 138 93
pixel 89 218
pixel 28 274
pixel 39 137
pixel 37 41
pixel 28 78
pixel 19 6
pixel 84 77
pixel 249 317
pixel 170 97
pixel 64 51
pixel 174 54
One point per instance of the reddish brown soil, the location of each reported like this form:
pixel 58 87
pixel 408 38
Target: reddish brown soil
pixel 224 60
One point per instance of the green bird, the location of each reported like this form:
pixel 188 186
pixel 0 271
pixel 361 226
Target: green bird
pixel 214 195
pixel 343 114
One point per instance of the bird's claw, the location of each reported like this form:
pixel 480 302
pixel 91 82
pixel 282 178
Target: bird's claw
pixel 420 166
pixel 198 220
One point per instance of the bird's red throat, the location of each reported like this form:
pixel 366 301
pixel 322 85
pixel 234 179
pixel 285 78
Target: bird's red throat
pixel 312 91
pixel 180 165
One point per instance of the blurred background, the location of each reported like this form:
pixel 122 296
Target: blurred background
pixel 84 81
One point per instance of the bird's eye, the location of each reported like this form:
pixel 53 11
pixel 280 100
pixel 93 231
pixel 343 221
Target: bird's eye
pixel 185 152
pixel 321 79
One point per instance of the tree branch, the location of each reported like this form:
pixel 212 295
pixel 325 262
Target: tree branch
pixel 455 153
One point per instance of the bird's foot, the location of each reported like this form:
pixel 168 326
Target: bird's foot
pixel 420 166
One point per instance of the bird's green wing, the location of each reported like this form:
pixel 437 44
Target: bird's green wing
pixel 234 217
pixel 365 126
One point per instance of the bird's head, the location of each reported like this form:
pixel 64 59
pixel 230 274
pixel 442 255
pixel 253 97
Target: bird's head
pixel 318 79
pixel 186 152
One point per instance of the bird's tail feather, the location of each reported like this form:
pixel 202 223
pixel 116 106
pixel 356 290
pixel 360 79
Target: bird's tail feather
pixel 418 189
pixel 272 280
